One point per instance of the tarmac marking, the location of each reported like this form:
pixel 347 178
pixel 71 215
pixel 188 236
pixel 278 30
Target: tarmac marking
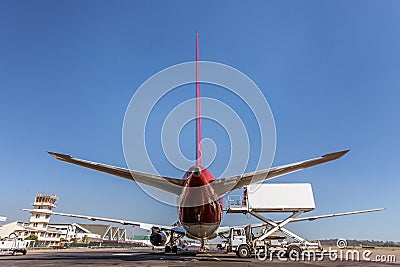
pixel 213 257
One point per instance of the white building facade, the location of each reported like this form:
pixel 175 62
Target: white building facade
pixel 73 231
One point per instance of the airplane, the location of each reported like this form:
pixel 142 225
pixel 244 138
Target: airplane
pixel 200 194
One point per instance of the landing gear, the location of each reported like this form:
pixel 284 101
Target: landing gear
pixel 203 247
pixel 171 245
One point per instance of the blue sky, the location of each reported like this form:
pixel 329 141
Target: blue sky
pixel 329 70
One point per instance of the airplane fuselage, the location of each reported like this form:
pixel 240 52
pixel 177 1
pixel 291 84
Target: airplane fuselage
pixel 200 211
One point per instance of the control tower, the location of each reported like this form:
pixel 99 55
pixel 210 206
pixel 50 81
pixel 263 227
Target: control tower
pixel 40 218
pixel 2 219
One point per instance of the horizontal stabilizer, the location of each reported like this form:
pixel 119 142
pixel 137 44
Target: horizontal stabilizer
pixel 171 185
pixel 225 185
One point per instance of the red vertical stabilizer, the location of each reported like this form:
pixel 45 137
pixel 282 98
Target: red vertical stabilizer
pixel 198 105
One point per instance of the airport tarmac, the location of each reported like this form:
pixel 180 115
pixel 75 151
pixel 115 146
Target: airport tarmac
pixel 148 257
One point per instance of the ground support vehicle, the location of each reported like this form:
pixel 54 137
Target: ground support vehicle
pixel 270 198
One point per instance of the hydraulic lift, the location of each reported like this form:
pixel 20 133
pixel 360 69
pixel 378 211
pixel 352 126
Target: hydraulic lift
pixel 294 199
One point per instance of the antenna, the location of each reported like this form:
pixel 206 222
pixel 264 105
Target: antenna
pixel 198 105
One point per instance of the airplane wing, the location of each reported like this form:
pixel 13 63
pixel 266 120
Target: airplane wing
pixel 225 229
pixel 145 226
pixel 171 185
pixel 313 218
pixel 225 185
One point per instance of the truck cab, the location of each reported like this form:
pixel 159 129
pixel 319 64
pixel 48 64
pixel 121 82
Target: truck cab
pixel 238 237
pixel 239 241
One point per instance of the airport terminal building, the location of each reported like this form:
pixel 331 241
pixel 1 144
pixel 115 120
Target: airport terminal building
pixel 51 234
pixel 90 232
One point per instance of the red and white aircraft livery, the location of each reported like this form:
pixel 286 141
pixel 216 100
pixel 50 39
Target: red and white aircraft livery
pixel 200 207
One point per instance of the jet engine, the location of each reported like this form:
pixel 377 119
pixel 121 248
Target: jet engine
pixel 158 237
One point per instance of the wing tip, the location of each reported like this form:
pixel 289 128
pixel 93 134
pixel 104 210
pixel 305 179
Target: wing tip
pixel 59 156
pixel 336 155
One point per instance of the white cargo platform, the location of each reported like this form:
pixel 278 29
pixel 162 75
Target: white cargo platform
pixel 274 198
pixel 291 198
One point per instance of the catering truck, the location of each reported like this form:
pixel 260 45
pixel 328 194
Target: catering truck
pixel 260 199
pixel 242 241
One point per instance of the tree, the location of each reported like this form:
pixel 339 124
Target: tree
pixel 32 237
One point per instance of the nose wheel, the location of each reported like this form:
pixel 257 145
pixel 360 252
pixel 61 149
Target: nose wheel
pixel 203 247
